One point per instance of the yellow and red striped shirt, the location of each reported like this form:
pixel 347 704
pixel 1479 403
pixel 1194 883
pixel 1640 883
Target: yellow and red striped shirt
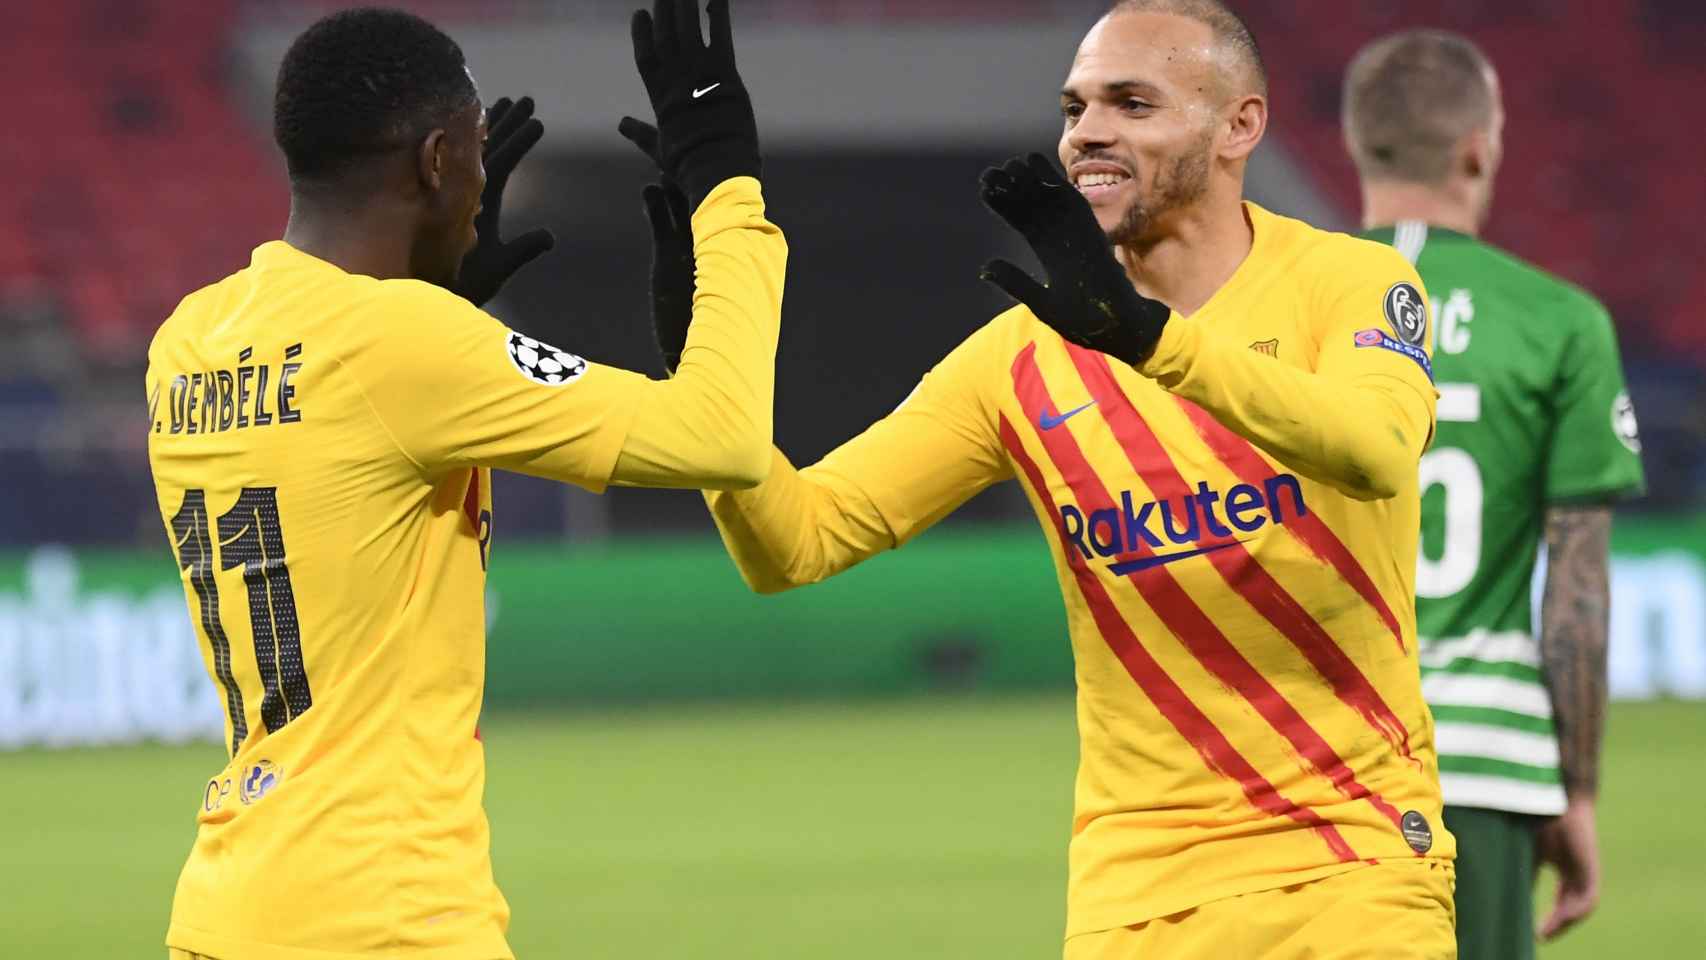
pixel 1234 528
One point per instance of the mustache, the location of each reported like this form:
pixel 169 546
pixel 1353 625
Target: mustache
pixel 1096 157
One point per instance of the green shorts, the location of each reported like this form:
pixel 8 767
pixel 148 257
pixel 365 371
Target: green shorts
pixel 1495 882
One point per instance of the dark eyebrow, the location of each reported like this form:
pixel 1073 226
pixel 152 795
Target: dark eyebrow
pixel 1141 87
pixel 1116 88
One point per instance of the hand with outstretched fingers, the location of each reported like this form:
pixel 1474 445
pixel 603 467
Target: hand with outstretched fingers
pixel 672 250
pixel 511 131
pixel 1089 300
pixel 706 129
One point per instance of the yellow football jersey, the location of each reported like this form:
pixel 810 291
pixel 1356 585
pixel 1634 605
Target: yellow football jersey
pixel 321 444
pixel 1234 529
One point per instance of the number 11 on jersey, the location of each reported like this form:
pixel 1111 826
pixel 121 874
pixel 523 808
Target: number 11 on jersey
pixel 250 536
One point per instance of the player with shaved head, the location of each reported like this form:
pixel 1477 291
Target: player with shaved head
pixel 1537 441
pixel 1216 413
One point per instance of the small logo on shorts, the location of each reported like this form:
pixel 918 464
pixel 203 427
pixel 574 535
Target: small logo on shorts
pixel 1416 831
pixel 1268 347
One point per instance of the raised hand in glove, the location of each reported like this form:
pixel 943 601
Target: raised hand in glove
pixel 672 250
pixel 1089 299
pixel 706 129
pixel 511 131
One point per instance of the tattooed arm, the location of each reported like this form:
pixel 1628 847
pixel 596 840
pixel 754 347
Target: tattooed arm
pixel 1574 616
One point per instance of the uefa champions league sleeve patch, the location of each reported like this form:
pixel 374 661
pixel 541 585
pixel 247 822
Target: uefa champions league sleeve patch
pixel 543 363
pixel 1374 337
pixel 1623 422
pixel 1407 312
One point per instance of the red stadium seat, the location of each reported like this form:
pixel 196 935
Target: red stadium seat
pixel 142 179
pixel 1600 173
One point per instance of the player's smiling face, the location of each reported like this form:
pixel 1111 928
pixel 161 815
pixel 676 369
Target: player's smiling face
pixel 1140 107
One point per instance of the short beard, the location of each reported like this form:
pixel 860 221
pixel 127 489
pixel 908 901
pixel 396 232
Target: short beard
pixel 1177 185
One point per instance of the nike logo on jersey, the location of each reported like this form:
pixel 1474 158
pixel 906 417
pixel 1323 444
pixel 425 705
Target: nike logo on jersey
pixel 697 93
pixel 1048 422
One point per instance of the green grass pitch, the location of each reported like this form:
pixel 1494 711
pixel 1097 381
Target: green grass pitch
pixel 895 829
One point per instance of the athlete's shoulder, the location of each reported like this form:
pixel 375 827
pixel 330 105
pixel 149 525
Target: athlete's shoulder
pixel 406 294
pixel 415 304
pixel 1315 255
pixel 355 304
pixel 1332 250
pixel 1003 335
pixel 1013 326
pixel 198 308
pixel 1560 300
pixel 987 353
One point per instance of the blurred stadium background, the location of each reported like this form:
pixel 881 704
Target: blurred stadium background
pixel 880 766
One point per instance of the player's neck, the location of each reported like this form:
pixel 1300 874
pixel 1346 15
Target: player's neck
pixel 364 240
pixel 1449 206
pixel 1193 259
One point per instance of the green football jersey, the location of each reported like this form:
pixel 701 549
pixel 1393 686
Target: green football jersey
pixel 1532 412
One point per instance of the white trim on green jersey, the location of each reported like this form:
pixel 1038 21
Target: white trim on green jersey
pixel 1493 723
pixel 1497 743
pixel 1502 793
pixel 1409 237
pixel 1513 646
pixel 1525 697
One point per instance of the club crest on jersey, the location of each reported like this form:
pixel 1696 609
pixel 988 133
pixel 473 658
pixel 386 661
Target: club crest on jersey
pixel 259 779
pixel 543 363
pixel 1407 312
pixel 1138 536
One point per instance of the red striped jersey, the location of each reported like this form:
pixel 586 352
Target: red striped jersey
pixel 1234 528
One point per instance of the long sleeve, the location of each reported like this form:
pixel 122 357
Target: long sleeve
pixel 1359 419
pixel 718 408
pixel 455 388
pixel 874 492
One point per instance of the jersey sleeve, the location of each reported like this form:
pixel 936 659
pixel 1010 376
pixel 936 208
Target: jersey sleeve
pixel 1360 418
pixel 875 492
pixel 1595 449
pixel 455 388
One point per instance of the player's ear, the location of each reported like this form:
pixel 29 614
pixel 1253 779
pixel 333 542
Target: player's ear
pixel 433 159
pixel 1475 155
pixel 1246 120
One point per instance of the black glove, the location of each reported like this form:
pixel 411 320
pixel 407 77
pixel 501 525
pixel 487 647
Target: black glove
pixel 707 130
pixel 511 131
pixel 672 251
pixel 1089 299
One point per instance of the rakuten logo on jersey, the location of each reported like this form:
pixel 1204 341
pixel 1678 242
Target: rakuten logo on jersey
pixel 1201 522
